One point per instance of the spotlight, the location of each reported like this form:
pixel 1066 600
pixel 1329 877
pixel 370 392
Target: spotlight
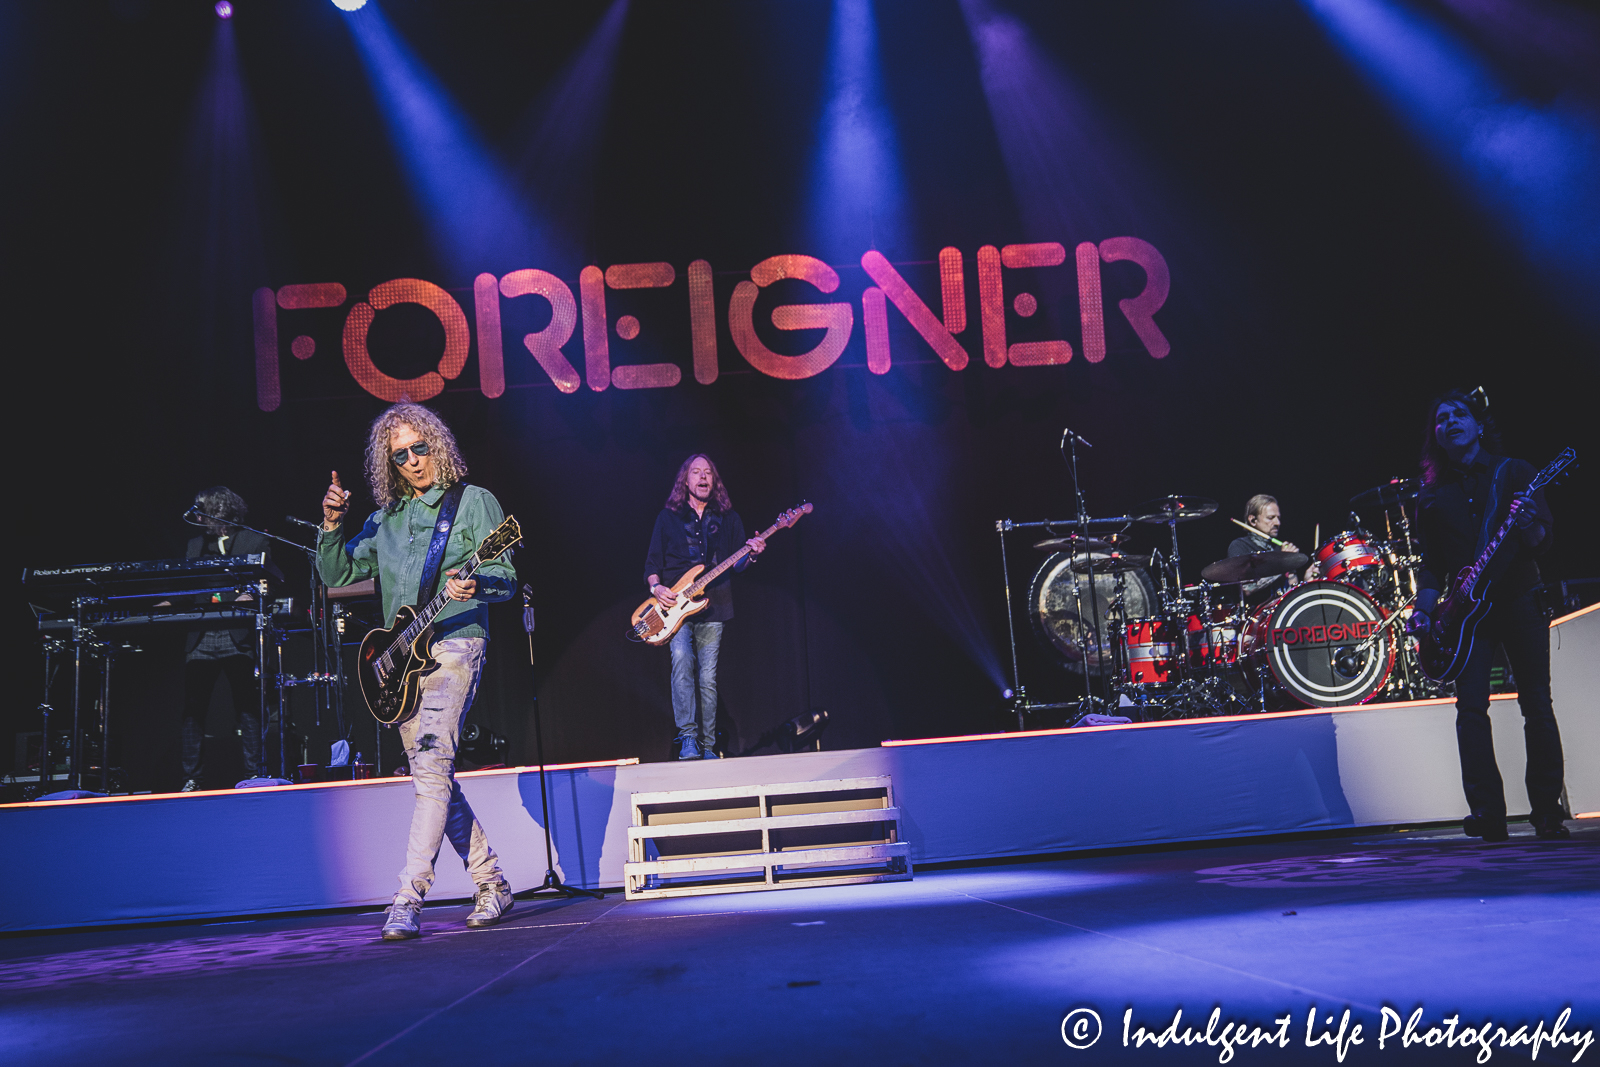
pixel 349 5
pixel 1007 693
pixel 224 9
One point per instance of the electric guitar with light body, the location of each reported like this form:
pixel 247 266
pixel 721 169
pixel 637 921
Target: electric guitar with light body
pixel 655 625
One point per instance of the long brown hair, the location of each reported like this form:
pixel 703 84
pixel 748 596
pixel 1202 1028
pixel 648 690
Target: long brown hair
pixel 1433 458
pixel 680 488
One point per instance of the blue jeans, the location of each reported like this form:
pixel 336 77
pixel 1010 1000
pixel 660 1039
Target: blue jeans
pixel 430 738
pixel 694 666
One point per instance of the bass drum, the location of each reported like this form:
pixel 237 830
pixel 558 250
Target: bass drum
pixel 1309 640
pixel 1054 611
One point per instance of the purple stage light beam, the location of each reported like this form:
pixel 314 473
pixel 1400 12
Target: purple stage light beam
pixel 562 130
pixel 1533 166
pixel 476 222
pixel 858 189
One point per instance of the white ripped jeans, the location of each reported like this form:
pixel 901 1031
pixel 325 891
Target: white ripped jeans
pixel 430 738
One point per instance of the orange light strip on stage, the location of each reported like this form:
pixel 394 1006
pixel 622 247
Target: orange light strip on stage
pixel 534 769
pixel 1180 722
pixel 1587 815
pixel 1581 611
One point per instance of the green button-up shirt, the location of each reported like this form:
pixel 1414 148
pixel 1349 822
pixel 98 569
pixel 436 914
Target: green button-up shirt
pixel 394 543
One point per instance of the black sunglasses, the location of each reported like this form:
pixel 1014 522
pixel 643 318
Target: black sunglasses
pixel 418 448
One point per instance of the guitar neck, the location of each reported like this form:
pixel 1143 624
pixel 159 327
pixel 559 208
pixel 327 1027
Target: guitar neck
pixel 732 561
pixel 440 600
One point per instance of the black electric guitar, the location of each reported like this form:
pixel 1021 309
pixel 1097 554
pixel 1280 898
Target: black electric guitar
pixel 1447 642
pixel 392 661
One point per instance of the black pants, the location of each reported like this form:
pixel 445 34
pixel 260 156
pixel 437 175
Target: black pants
pixel 199 680
pixel 1520 627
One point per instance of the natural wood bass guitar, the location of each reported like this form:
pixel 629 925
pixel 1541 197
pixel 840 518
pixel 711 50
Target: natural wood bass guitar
pixel 392 661
pixel 1446 643
pixel 655 625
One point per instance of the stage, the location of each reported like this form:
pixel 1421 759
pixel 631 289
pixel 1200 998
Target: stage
pixel 978 965
pixel 990 797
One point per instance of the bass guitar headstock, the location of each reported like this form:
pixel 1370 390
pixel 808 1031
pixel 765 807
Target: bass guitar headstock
pixel 792 516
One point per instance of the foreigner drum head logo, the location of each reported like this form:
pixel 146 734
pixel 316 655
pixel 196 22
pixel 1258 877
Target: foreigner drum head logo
pixel 1314 637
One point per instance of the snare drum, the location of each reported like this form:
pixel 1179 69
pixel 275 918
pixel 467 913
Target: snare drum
pixel 1351 557
pixel 1153 648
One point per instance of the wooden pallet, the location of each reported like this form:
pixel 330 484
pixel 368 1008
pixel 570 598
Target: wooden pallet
pixel 740 839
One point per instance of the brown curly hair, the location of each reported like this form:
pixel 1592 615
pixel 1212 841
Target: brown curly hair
pixel 384 478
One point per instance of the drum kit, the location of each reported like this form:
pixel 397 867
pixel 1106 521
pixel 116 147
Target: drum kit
pixel 1148 645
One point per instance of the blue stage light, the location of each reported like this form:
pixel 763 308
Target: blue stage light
pixel 1532 165
pixel 224 9
pixel 349 5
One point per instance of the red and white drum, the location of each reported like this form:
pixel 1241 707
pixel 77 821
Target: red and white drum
pixel 1153 647
pixel 1311 638
pixel 1350 557
pixel 1213 641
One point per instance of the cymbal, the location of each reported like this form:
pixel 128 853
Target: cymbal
pixel 1396 492
pixel 1115 563
pixel 1169 508
pixel 1075 543
pixel 1255 565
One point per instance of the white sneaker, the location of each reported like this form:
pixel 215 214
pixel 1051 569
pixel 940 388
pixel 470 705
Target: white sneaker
pixel 402 921
pixel 491 903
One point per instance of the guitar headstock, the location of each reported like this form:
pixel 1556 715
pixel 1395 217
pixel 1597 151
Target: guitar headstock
pixel 1554 469
pixel 500 539
pixel 792 516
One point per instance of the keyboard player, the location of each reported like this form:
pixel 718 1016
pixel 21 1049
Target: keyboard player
pixel 212 654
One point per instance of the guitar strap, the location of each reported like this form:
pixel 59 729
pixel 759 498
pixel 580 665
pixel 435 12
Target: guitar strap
pixel 428 585
pixel 1491 508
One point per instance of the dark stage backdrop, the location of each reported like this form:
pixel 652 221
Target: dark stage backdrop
pixel 1325 277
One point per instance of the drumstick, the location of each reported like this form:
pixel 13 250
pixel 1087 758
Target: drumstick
pixel 1253 530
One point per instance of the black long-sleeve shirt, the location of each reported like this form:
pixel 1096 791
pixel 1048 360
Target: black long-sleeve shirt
pixel 1460 510
pixel 683 538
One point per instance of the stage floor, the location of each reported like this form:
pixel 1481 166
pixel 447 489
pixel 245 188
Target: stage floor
pixel 964 965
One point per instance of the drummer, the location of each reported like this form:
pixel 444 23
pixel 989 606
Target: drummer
pixel 1261 513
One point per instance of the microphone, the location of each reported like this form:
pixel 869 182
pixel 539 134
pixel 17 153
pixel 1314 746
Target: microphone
pixel 527 609
pixel 1066 433
pixel 190 515
pixel 301 522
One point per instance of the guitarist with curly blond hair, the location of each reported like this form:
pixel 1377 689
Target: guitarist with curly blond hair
pixel 416 472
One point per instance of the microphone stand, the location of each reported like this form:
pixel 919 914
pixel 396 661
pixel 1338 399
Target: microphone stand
pixel 552 881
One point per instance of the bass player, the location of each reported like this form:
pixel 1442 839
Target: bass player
pixel 697 525
pixel 416 472
pixel 1467 492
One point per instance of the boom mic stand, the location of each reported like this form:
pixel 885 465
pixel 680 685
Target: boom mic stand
pixel 552 881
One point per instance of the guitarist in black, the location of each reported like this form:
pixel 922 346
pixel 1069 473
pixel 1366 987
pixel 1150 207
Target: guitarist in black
pixel 697 525
pixel 1467 492
pixel 414 469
